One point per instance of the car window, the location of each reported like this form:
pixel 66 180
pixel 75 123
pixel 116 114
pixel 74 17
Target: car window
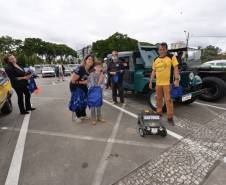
pixel 221 64
pixel 47 69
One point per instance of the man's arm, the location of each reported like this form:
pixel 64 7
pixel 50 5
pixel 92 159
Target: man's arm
pixel 176 71
pixel 152 77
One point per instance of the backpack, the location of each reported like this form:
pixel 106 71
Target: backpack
pixel 95 97
pixel 116 77
pixel 78 100
pixel 32 85
pixel 176 92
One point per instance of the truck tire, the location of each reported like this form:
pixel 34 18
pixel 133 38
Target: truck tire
pixel 152 101
pixel 216 88
pixel 7 107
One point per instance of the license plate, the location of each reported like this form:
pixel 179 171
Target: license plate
pixel 151 117
pixel 154 130
pixel 186 97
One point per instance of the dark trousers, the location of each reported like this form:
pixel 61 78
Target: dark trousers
pixel 80 113
pixel 21 92
pixel 117 88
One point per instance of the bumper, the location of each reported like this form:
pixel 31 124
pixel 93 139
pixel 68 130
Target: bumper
pixel 199 92
pixel 48 74
pixel 191 95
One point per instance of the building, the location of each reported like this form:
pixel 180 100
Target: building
pixel 179 44
pixel 84 51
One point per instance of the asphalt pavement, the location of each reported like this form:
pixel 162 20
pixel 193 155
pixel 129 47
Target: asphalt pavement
pixel 48 148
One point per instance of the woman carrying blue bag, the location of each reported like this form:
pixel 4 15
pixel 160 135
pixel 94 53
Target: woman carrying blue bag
pixel 79 89
pixel 95 93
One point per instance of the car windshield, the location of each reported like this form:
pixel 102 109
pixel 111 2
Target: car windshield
pixel 148 56
pixel 47 69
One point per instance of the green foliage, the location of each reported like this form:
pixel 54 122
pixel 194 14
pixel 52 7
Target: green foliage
pixel 34 51
pixel 210 53
pixel 118 42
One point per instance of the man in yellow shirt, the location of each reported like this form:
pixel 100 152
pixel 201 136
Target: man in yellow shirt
pixel 161 70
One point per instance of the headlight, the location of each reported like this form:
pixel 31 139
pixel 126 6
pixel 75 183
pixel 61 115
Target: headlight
pixel 191 76
pixel 148 128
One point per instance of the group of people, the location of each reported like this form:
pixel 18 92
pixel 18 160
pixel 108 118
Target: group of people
pixel 91 74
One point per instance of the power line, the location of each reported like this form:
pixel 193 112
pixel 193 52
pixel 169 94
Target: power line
pixel 213 36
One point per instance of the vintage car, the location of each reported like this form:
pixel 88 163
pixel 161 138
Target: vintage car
pixel 5 94
pixel 138 67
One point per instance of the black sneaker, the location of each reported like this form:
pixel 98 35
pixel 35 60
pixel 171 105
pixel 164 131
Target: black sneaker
pixel 25 112
pixel 31 109
pixel 171 121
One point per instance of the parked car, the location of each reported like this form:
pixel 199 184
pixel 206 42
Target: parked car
pixel 38 69
pixel 72 67
pixel 67 71
pixel 217 64
pixel 5 94
pixel 213 74
pixel 138 67
pixel 48 72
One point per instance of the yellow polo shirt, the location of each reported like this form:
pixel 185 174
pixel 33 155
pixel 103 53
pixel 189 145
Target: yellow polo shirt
pixel 162 68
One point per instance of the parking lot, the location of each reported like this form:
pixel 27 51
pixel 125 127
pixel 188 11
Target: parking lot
pixel 48 148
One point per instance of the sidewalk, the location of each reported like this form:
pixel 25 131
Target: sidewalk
pixel 189 162
pixel 218 175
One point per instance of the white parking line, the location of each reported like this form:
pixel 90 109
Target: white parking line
pixel 98 178
pixel 91 138
pixel 15 166
pixel 171 133
pixel 208 105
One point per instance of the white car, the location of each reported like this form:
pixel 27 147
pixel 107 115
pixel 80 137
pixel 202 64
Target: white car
pixel 72 67
pixel 48 72
pixel 215 64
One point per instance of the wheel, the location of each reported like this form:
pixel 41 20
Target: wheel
pixel 215 88
pixel 153 103
pixel 7 107
pixel 141 132
pixel 188 101
pixel 163 133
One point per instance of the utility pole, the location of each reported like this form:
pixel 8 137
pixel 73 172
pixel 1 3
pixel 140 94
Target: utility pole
pixel 187 34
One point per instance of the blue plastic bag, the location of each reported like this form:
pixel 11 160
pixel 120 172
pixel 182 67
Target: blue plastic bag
pixel 176 92
pixel 32 85
pixel 116 77
pixel 78 100
pixel 95 97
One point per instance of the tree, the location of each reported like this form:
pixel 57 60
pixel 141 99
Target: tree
pixel 34 50
pixel 118 41
pixel 9 45
pixel 210 53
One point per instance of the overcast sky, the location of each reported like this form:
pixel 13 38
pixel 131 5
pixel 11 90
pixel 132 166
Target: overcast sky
pixel 80 22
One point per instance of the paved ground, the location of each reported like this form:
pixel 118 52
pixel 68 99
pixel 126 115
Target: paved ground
pixel 59 151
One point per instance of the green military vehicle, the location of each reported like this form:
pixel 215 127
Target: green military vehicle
pixel 213 74
pixel 138 67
